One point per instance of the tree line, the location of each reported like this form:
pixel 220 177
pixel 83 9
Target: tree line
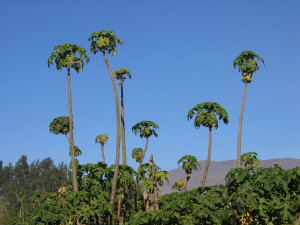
pixel 23 181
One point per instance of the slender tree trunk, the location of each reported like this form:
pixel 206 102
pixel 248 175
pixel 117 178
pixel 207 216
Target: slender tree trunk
pixel 73 162
pixel 239 162
pixel 139 168
pixel 143 155
pixel 116 170
pixel 119 207
pixel 155 192
pixel 184 186
pixel 123 125
pixel 208 159
pixel 102 151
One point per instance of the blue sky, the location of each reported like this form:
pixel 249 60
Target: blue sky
pixel 180 53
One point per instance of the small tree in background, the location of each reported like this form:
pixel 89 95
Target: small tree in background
pixel 189 163
pixel 247 63
pixel 102 139
pixel 120 74
pixel 145 129
pixel 106 42
pixel 207 113
pixel 250 159
pixel 69 56
pixel 137 154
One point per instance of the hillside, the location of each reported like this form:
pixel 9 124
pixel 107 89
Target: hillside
pixel 217 172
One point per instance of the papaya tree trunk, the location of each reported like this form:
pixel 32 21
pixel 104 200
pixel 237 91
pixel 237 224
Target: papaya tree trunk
pixel 137 176
pixel 73 162
pixel 123 126
pixel 208 159
pixel 143 155
pixel 239 150
pixel 155 191
pixel 185 184
pixel 119 207
pixel 102 151
pixel 117 161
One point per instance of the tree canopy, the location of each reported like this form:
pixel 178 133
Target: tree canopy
pixel 68 56
pixel 145 129
pixel 207 113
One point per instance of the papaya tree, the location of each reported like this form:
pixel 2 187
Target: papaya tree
pixel 207 113
pixel 102 139
pixel 137 154
pixel 106 42
pixel 21 194
pixel 61 125
pixel 250 159
pixel 125 182
pixel 247 63
pixel 69 56
pixel 120 75
pixel 189 163
pixel 145 129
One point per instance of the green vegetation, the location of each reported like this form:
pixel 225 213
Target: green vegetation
pixel 93 194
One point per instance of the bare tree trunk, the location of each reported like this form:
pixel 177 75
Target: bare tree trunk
pixel 116 170
pixel 208 159
pixel 102 151
pixel 155 194
pixel 73 162
pixel 119 207
pixel 123 126
pixel 239 162
pixel 143 155
pixel 139 168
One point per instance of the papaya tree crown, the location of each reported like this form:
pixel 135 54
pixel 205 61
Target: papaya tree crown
pixel 189 163
pixel 104 41
pixel 207 113
pixel 60 125
pixel 247 63
pixel 250 159
pixel 102 138
pixel 137 154
pixel 120 74
pixel 145 129
pixel 68 56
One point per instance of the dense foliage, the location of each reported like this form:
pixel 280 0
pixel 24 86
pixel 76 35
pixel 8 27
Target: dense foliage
pixel 27 182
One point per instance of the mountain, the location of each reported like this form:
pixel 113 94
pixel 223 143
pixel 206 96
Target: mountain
pixel 217 172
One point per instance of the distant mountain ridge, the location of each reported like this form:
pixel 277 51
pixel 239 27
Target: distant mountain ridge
pixel 217 172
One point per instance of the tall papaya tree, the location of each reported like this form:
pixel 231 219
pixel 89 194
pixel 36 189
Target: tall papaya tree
pixel 106 42
pixel 102 139
pixel 247 63
pixel 120 75
pixel 207 113
pixel 69 56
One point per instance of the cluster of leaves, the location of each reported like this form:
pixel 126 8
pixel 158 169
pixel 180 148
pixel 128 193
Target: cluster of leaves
pixel 67 56
pixel 104 41
pixel 246 62
pixel 207 113
pixel 145 129
pixel 262 196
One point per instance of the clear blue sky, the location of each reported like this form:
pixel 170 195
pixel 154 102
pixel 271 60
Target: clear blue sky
pixel 180 53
